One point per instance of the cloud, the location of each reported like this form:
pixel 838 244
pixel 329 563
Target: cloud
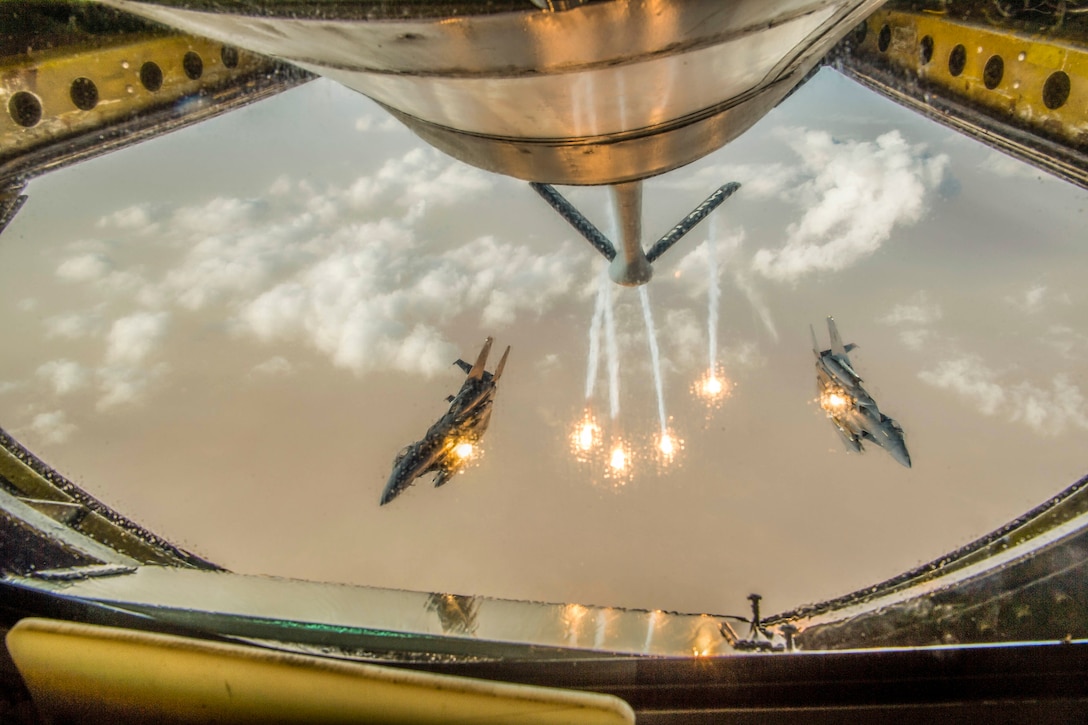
pixel 1048 410
pixel 914 316
pixel 235 248
pixel 74 325
pixel 918 311
pixel 755 299
pixel 221 215
pixel 273 367
pixel 692 272
pixel 684 336
pixel 420 176
pixel 221 265
pixel 132 217
pixel 548 363
pixel 84 268
pixel 363 304
pixel 126 373
pixel 7 387
pixel 915 339
pixel 969 378
pixel 341 269
pixel 364 124
pixel 855 195
pixel 98 269
pixel 65 376
pixel 758 181
pixel 1003 165
pixel 131 339
pixel 1070 343
pixel 1036 298
pixel 124 385
pixel 52 427
pixel 692 269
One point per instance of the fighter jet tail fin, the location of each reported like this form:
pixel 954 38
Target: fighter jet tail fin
pixel 837 348
pixel 502 364
pixel 477 371
pixel 815 345
pixel 463 365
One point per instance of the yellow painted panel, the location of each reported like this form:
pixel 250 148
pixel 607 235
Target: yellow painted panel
pixel 85 673
pixel 1028 62
pixel 115 72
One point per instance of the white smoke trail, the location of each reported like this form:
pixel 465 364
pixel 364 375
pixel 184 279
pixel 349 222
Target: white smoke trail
pixel 595 336
pixel 613 352
pixel 713 294
pixel 610 322
pixel 655 355
pixel 754 299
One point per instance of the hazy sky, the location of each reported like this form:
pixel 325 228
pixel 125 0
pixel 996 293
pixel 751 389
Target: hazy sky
pixel 227 334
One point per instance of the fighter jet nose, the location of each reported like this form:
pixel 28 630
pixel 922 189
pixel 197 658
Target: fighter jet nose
pixel 902 456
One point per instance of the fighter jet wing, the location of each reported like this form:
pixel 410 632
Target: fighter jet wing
pixel 848 438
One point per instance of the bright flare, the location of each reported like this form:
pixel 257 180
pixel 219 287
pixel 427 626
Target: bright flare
pixel 713 387
pixel 666 445
pixel 585 437
pixel 619 459
pixel 463 450
pixel 668 448
pixel 588 435
pixel 834 401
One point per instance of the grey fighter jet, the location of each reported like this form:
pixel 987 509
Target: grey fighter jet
pixel 849 406
pixel 453 438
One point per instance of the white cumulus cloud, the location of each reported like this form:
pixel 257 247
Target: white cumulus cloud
pixel 84 267
pixel 969 378
pixel 1047 409
pixel 759 181
pixel 53 427
pixel 855 194
pixel 74 325
pixel 122 385
pixel 65 376
pixel 363 305
pixel 914 318
pixel 136 217
pixel 918 311
pixel 131 339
